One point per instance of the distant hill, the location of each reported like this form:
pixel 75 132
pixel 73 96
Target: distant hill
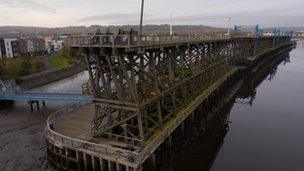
pixel 36 31
pixel 186 29
pixel 295 29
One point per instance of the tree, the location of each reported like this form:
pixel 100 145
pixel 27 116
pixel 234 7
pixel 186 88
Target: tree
pixel 37 65
pixel 72 55
pixel 1 69
pixel 26 67
pixel 76 54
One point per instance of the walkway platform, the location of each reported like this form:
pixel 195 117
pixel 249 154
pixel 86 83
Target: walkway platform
pixel 133 42
pixel 76 124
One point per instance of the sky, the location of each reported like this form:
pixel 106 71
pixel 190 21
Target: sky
pixel 59 13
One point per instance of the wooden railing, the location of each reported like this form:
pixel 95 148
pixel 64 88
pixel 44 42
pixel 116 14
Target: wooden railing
pixel 128 41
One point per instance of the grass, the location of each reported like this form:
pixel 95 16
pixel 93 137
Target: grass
pixel 263 48
pixel 58 62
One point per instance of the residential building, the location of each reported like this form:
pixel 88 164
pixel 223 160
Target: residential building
pixel 9 46
pixel 39 46
pixel 2 48
pixel 56 45
pixel 21 47
pixel 13 47
pixel 30 46
pixel 35 46
pixel 48 38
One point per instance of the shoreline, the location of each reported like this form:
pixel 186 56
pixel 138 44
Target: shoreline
pixel 44 78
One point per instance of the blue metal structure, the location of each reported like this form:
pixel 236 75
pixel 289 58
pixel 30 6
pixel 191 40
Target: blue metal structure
pixel 276 39
pixel 44 96
pixel 277 33
pixel 257 34
pixel 15 95
pixel 2 86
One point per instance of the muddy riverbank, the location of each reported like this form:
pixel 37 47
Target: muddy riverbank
pixel 22 144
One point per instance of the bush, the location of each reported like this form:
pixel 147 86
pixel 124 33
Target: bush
pixel 18 81
pixel 26 67
pixel 64 59
pixel 18 67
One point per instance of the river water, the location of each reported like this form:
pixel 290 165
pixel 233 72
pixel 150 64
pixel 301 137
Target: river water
pixel 265 131
pixel 269 134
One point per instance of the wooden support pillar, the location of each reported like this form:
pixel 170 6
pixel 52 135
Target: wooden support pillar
pixel 153 161
pixel 85 162
pixel 138 169
pixel 125 129
pixel 93 163
pixel 38 105
pixel 32 107
pixel 102 164
pixel 109 165
pixel 119 167
pixel 168 147
pixel 61 151
pixel 182 128
pixel 66 159
pixel 192 117
pixel 78 161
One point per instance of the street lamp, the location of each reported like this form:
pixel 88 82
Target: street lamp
pixel 141 19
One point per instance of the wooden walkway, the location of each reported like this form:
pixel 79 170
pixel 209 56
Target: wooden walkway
pixel 77 124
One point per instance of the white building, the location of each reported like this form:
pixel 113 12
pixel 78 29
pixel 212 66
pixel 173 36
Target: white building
pixel 268 34
pixel 47 47
pixel 9 47
pixel 0 53
pixel 56 45
pixel 30 46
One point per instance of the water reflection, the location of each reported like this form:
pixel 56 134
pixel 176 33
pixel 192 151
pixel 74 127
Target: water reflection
pixel 207 146
pixel 247 93
pixel 71 84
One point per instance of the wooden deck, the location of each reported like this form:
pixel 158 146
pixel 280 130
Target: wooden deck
pixel 77 124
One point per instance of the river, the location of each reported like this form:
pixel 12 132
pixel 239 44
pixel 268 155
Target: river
pixel 265 131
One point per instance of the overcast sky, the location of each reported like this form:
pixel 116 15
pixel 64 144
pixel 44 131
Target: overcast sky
pixel 57 13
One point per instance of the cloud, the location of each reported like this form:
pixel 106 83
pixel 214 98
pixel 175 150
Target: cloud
pixel 265 17
pixel 118 12
pixel 28 4
pixel 117 17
